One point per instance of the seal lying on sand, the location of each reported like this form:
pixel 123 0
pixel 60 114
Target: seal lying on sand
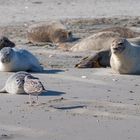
pixel 100 58
pixel 97 60
pixel 100 41
pixel 125 58
pixel 23 82
pixel 103 38
pixel 14 84
pixel 54 32
pixel 122 31
pixel 5 42
pixel 13 59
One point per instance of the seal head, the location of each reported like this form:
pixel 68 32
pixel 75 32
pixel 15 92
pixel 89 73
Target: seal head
pixel 118 45
pixel 6 54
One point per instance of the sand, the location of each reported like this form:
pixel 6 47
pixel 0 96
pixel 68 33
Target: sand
pixel 81 104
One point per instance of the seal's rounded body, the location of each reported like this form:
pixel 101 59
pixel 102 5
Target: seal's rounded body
pixel 98 41
pixel 125 57
pixel 15 83
pixel 54 32
pixel 13 59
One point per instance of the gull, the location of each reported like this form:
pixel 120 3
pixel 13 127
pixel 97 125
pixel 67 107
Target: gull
pixel 33 86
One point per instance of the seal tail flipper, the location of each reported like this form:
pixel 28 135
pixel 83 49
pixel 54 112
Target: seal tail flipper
pixel 3 90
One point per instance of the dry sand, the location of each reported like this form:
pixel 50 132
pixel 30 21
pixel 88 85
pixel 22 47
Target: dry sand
pixel 81 104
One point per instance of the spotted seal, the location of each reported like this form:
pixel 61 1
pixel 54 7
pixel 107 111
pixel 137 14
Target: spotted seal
pixel 15 83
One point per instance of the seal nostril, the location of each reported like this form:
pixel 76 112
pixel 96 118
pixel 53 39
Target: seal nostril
pixel 115 48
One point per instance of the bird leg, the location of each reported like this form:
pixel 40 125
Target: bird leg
pixel 37 99
pixel 30 99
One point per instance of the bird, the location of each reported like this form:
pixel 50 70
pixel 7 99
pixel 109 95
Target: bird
pixel 33 86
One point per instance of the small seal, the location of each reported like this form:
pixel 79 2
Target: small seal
pixel 13 60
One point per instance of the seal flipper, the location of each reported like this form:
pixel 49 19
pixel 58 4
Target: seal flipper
pixel 3 90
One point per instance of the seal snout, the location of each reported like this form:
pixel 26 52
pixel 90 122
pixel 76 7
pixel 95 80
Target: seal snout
pixel 5 54
pixel 118 46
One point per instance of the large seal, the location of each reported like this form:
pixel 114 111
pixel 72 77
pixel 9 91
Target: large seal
pixel 125 57
pixel 53 31
pixel 102 39
pixel 13 59
pixel 15 83
pixel 98 41
pixel 122 31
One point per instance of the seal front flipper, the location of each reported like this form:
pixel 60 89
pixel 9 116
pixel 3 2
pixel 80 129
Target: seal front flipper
pixel 3 90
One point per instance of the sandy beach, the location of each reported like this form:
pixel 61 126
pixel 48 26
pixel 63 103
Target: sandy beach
pixel 81 104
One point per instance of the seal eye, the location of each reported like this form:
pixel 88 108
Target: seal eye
pixel 17 80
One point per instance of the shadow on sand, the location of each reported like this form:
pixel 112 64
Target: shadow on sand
pixel 52 93
pixel 48 93
pixel 50 71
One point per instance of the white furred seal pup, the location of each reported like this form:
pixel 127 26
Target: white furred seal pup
pixel 13 60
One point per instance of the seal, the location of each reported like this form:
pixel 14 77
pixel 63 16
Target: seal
pixel 102 57
pixel 54 32
pixel 102 39
pixel 5 42
pixel 125 57
pixel 97 60
pixel 98 41
pixel 122 31
pixel 13 59
pixel 15 83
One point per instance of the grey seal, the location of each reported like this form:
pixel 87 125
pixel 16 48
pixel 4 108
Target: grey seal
pixel 53 31
pixel 14 84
